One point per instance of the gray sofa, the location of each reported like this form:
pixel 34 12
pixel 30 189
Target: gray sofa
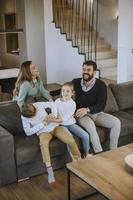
pixel 20 155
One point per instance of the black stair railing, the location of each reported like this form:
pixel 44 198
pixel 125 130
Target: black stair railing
pixel 78 19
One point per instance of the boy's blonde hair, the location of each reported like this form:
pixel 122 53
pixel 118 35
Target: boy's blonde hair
pixel 28 110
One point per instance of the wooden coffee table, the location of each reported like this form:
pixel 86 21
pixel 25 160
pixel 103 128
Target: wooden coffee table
pixel 106 173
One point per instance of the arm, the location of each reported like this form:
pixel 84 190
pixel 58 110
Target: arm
pixel 100 105
pixel 7 158
pixel 50 118
pixel 29 129
pixel 45 93
pixel 23 92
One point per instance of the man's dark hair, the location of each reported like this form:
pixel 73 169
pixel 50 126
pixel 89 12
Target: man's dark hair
pixel 92 63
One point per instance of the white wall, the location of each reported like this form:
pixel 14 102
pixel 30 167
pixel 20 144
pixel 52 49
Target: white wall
pixel 63 63
pixel 35 45
pixel 107 21
pixel 125 41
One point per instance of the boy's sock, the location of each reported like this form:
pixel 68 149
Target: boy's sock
pixel 51 178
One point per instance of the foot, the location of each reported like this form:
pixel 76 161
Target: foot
pixel 75 160
pixel 51 178
pixel 98 152
pixel 87 155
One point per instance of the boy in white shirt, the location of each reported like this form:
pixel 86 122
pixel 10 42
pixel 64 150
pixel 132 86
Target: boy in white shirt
pixel 36 120
pixel 66 108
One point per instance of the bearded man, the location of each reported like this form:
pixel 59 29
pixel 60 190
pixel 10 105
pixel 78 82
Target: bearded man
pixel 90 97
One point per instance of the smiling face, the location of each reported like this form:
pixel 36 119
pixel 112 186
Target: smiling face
pixel 88 72
pixel 66 92
pixel 34 71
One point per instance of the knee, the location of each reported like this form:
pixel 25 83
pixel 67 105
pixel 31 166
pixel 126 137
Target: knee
pixel 85 136
pixel 44 142
pixel 89 126
pixel 116 123
pixel 70 140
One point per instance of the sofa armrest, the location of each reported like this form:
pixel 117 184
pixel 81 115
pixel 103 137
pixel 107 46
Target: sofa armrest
pixel 7 158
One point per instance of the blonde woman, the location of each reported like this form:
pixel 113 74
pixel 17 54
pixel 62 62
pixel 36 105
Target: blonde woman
pixel 29 84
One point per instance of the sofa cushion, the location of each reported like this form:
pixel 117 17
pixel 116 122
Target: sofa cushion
pixel 10 117
pixel 28 149
pixel 111 105
pixel 124 94
pixel 126 122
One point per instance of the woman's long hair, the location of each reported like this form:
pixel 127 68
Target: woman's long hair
pixel 23 75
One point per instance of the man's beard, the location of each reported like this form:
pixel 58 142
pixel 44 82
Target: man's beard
pixel 87 77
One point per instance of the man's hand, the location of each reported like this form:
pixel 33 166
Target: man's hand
pixel 81 112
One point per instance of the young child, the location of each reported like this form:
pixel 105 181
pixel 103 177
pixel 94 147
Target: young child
pixel 66 108
pixel 45 123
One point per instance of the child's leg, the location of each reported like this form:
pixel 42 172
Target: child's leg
pixel 65 136
pixel 44 145
pixel 82 134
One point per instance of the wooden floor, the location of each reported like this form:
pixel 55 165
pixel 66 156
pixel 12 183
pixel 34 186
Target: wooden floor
pixel 37 188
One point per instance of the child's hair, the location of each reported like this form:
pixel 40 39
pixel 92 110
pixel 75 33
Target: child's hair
pixel 28 110
pixel 69 84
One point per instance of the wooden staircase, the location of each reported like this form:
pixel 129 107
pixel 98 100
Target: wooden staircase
pixel 82 32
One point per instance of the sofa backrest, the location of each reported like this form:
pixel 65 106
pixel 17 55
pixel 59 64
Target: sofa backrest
pixel 111 104
pixel 123 94
pixel 10 117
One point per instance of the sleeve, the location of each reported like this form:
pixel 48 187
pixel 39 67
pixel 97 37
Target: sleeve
pixel 29 129
pixel 44 105
pixel 45 93
pixel 23 92
pixel 101 100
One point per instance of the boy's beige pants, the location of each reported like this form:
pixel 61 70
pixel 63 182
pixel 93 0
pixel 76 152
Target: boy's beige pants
pixel 65 136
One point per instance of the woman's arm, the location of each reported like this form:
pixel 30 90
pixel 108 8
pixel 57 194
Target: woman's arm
pixel 45 93
pixel 23 92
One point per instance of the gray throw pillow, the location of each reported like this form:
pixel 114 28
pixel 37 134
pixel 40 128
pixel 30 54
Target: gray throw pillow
pixel 111 105
pixel 123 93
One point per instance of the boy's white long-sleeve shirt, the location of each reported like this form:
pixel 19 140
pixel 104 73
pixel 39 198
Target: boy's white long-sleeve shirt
pixel 34 125
pixel 66 110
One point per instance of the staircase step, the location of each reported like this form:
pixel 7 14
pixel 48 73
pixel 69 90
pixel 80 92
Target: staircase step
pixel 107 62
pixel 114 77
pixel 109 80
pixel 106 58
pixel 104 54
pixel 85 41
pixel 108 71
pixel 101 47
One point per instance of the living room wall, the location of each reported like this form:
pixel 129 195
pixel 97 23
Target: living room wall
pixel 63 63
pixel 125 41
pixel 34 28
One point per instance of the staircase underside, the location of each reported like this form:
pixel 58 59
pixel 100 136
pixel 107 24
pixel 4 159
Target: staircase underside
pixel 76 28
